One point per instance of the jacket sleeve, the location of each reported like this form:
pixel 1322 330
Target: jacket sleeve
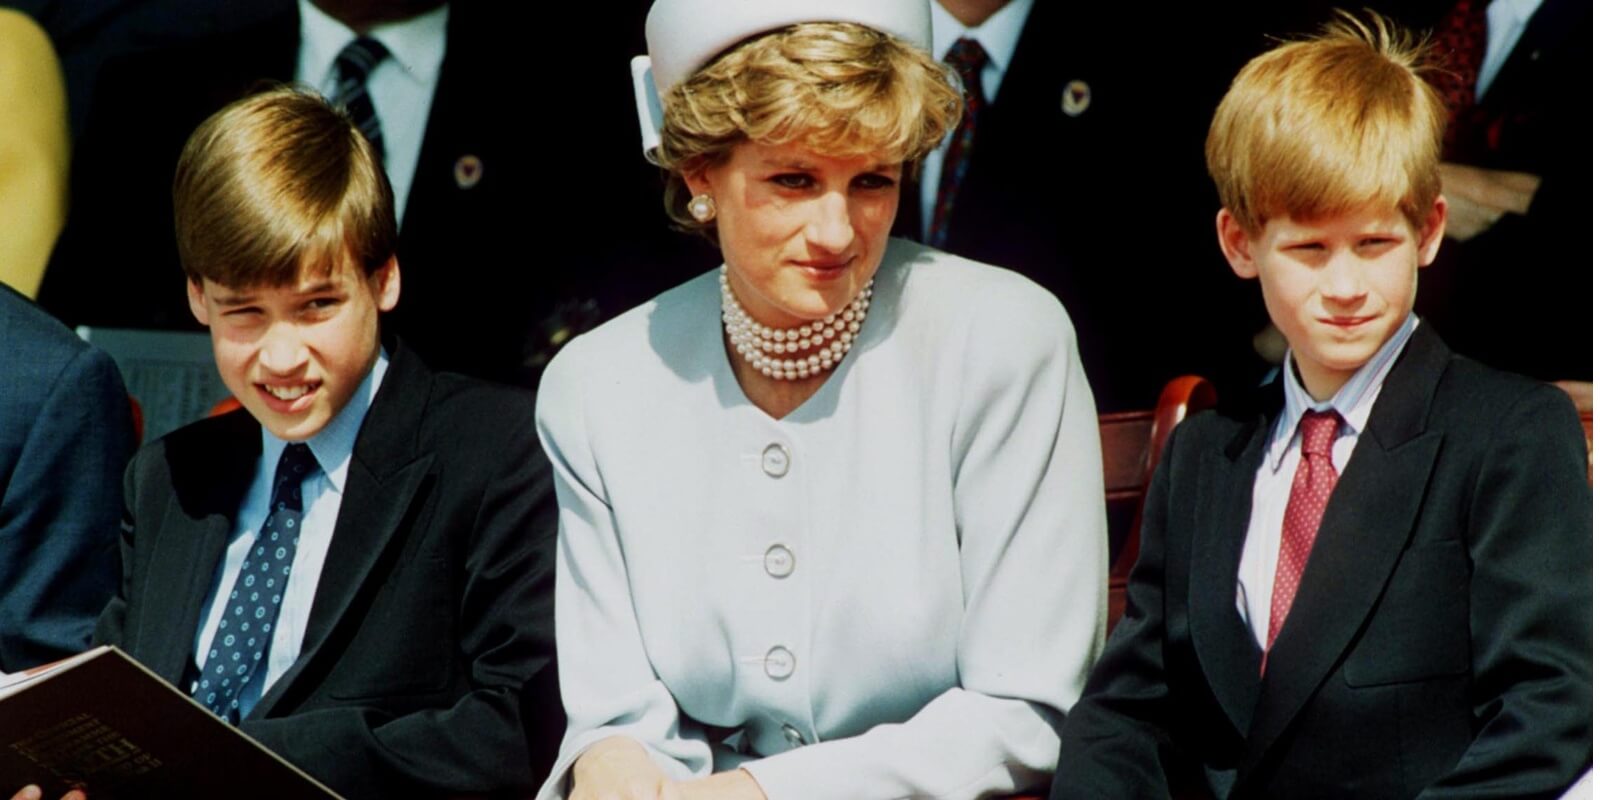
pixel 59 511
pixel 1029 509
pixel 616 691
pixel 1529 538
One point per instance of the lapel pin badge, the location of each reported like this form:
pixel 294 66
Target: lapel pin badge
pixel 469 170
pixel 1075 98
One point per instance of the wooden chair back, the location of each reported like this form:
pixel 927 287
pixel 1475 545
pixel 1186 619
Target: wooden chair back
pixel 1131 443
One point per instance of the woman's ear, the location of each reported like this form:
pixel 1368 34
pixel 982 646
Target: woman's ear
pixel 696 179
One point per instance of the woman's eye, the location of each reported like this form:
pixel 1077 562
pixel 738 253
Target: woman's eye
pixel 792 180
pixel 875 181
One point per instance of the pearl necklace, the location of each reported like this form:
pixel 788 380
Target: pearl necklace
pixel 828 339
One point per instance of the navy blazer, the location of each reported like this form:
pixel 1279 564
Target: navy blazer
pixel 428 665
pixel 65 435
pixel 1439 644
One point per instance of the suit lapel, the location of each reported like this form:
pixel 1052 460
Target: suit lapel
pixel 383 485
pixel 193 536
pixel 1369 521
pixel 1223 644
pixel 1552 22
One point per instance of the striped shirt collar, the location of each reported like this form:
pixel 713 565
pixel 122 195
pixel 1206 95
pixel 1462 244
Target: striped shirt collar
pixel 1353 401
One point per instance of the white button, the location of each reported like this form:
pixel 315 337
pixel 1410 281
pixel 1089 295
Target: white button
pixel 775 460
pixel 779 663
pixel 779 561
pixel 792 735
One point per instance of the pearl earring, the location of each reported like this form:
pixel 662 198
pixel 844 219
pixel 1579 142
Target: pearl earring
pixel 703 208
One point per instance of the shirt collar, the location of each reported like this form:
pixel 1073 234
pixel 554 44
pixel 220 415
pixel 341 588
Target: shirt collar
pixel 998 34
pixel 337 440
pixel 1521 10
pixel 1353 401
pixel 417 44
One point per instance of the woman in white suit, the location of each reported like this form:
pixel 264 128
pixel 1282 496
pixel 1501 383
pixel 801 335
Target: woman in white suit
pixel 831 515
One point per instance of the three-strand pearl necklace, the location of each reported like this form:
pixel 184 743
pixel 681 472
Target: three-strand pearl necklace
pixel 794 353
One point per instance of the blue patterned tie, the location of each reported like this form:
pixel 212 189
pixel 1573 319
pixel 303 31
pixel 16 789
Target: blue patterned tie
pixel 242 638
pixel 355 62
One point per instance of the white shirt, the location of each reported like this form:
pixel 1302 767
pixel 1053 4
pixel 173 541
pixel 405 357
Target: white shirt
pixel 891 592
pixel 320 496
pixel 1258 565
pixel 998 34
pixel 1507 20
pixel 401 86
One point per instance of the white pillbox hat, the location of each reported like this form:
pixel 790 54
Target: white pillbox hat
pixel 684 35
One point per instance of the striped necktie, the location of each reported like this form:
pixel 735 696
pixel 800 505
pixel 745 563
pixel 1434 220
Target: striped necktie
pixel 968 58
pixel 355 63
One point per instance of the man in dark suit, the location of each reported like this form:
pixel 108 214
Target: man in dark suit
pixel 356 568
pixel 1058 180
pixel 468 205
pixel 1375 580
pixel 1521 189
pixel 65 436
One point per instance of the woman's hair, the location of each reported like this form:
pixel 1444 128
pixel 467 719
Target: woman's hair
pixel 1328 125
pixel 836 88
pixel 275 182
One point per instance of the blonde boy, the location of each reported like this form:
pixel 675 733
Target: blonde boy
pixel 1374 580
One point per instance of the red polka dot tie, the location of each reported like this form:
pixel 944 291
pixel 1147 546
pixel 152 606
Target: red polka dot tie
pixel 1313 482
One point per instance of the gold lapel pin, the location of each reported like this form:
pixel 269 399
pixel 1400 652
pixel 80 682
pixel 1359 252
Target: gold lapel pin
pixel 1075 98
pixel 469 170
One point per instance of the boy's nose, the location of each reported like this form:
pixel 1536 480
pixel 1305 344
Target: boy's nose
pixel 1342 282
pixel 283 351
pixel 829 227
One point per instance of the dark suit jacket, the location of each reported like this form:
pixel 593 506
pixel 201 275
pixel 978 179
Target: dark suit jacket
pixel 65 436
pixel 1119 229
pixel 429 657
pixel 474 302
pixel 1440 639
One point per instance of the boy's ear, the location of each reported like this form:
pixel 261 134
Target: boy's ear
pixel 197 302
pixel 386 284
pixel 1235 243
pixel 1432 232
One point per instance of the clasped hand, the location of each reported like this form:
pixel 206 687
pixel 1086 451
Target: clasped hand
pixel 618 768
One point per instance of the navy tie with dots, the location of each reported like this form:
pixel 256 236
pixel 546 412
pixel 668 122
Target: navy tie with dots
pixel 245 632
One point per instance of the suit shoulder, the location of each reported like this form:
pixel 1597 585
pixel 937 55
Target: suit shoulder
pixel 34 337
pixel 474 411
pixel 1470 393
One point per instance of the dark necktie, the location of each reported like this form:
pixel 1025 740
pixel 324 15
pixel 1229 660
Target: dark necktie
pixel 968 58
pixel 245 632
pixel 1308 499
pixel 355 62
pixel 1462 42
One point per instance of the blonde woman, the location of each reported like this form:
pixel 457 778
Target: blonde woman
pixel 831 515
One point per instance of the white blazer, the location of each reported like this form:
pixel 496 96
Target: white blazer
pixel 894 591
